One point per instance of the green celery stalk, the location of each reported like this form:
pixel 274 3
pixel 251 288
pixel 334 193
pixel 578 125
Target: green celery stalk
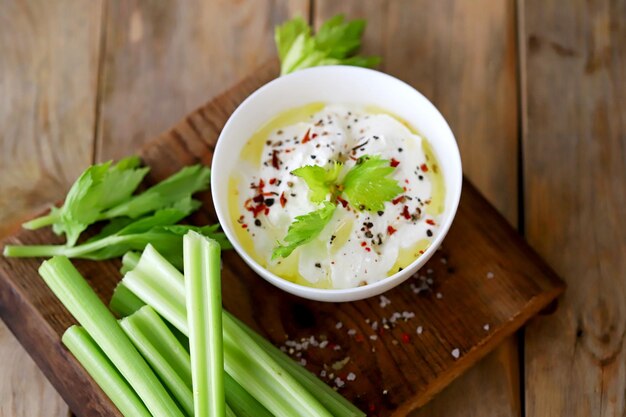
pixel 337 404
pixel 201 258
pixel 240 400
pixel 162 351
pixel 160 285
pixel 89 355
pixel 129 261
pixel 124 302
pixel 83 303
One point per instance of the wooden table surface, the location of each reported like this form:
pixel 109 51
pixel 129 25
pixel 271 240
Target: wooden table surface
pixel 535 91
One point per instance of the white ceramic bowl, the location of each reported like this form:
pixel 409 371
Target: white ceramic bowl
pixel 342 85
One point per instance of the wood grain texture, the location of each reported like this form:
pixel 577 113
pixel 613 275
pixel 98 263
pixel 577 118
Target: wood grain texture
pixel 462 56
pixel 575 154
pixel 401 374
pixel 163 59
pixel 48 74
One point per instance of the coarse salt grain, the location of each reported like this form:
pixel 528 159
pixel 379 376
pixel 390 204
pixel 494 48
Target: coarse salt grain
pixel 323 344
pixel 339 325
pixel 323 373
pixel 339 382
pixel 303 362
pixel 384 301
pixel 490 275
pixel 351 332
pixel 373 337
pixel 456 353
pixel 351 376
pixel 439 295
pixel 420 329
pixel 486 327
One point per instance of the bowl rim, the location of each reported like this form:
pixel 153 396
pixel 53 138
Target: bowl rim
pixel 333 294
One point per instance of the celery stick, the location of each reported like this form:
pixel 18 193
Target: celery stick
pixel 157 283
pixel 124 302
pixel 240 400
pixel 129 261
pixel 201 258
pixel 83 303
pixel 150 336
pixel 82 346
pixel 337 404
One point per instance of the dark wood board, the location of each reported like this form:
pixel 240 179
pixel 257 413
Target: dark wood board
pixel 485 274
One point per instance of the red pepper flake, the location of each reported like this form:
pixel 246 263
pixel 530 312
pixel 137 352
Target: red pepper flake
pixel 244 226
pixel 424 168
pixel 394 162
pixel 363 244
pixel 405 213
pixel 421 252
pixel 359 338
pixel 368 249
pixel 306 137
pixel 406 181
pixel 314 135
pixel 430 222
pixel 343 202
pixel 406 339
pixel 283 199
pixel 391 230
pixel 398 200
pixel 275 160
pixel 404 188
pixel 272 181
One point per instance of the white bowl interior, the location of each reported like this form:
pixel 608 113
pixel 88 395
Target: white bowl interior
pixel 343 85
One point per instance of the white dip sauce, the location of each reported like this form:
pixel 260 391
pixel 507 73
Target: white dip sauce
pixel 356 247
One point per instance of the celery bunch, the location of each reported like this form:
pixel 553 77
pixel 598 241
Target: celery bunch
pixel 175 352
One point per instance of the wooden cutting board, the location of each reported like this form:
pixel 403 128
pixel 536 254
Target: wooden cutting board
pixel 390 354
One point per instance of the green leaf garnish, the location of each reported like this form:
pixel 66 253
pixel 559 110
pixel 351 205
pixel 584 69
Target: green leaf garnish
pixel 304 229
pixel 181 185
pixel 367 185
pixel 321 181
pixel 99 188
pixel 335 43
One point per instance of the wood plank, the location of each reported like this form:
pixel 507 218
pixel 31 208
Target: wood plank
pixel 575 154
pixel 462 56
pixel 164 59
pixel 399 376
pixel 48 77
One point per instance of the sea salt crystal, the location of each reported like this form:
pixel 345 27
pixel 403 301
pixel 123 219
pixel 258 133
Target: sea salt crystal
pixel 339 382
pixel 351 376
pixel 439 295
pixel 486 327
pixel 384 301
pixel 373 337
pixel 456 353
pixel 323 373
pixel 323 344
pixel 490 275
pixel 420 329
pixel 339 325
pixel 351 332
